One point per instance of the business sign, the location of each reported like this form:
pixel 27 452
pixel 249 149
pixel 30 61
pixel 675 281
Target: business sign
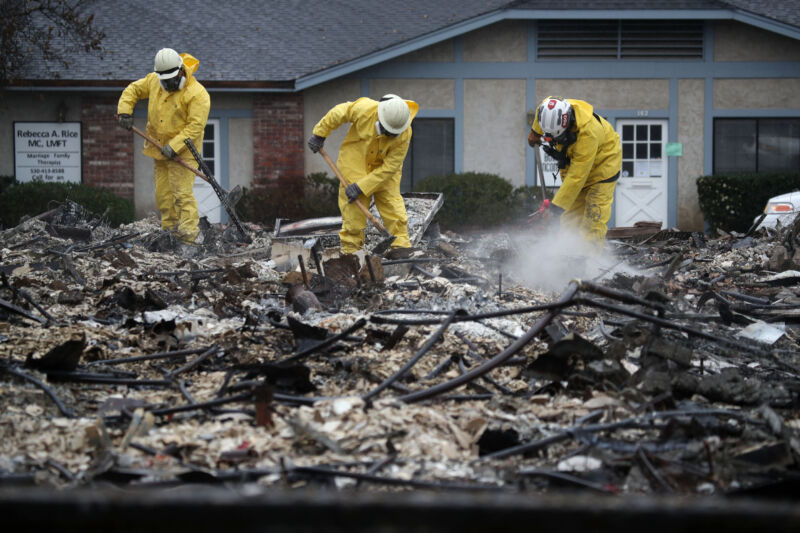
pixel 549 169
pixel 48 151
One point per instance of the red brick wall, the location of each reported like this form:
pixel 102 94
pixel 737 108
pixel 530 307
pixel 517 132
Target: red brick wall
pixel 278 144
pixel 107 148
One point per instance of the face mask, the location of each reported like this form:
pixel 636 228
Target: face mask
pixel 382 131
pixel 173 84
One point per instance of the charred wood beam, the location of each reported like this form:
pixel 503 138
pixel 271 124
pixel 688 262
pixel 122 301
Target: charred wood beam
pixel 564 300
pixel 433 339
pixel 67 412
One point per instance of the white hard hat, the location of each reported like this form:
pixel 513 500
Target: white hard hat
pixel 394 114
pixel 555 116
pixel 167 64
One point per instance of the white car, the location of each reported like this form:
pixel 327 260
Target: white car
pixel 782 208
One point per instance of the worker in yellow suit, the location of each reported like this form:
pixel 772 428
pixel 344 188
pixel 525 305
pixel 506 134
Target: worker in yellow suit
pixel 371 161
pixel 589 157
pixel 177 109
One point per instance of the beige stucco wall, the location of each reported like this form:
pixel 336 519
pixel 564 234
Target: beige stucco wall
pixel 440 52
pixel 429 94
pixel 240 152
pixel 495 128
pixel 31 107
pixel 766 93
pixel 734 41
pixel 316 102
pixel 609 94
pixel 504 41
pixel 690 165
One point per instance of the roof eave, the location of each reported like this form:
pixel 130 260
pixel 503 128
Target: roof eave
pixel 374 58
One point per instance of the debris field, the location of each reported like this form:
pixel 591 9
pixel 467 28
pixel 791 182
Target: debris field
pixel 127 357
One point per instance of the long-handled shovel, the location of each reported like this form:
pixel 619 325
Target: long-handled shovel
pixel 221 193
pixel 388 237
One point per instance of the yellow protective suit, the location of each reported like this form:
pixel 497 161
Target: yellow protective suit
pixel 586 194
pixel 171 118
pixel 375 163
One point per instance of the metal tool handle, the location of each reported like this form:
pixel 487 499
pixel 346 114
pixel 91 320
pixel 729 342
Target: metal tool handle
pixel 175 158
pixel 344 183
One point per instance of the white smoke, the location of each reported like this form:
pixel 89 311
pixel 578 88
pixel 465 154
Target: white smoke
pixel 548 257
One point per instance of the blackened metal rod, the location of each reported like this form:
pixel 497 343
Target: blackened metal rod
pixel 47 390
pixel 203 405
pixel 194 362
pixel 381 480
pixel 643 421
pixel 439 368
pixel 20 311
pixel 103 379
pixel 670 325
pixel 433 339
pixel 160 355
pixel 564 300
pixel 360 323
pixel 622 296
pixel 378 319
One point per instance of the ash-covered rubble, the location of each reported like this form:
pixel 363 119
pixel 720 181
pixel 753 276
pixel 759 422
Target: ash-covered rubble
pixel 130 358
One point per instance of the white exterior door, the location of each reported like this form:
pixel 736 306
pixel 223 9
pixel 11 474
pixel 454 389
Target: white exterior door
pixel 641 192
pixel 207 201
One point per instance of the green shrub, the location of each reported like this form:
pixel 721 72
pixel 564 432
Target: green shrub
pixel 318 198
pixel 475 200
pixel 6 182
pixel 32 198
pixel 321 196
pixel 731 202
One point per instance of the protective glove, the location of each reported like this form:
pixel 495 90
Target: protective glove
pixel 168 152
pixel 315 142
pixel 549 210
pixel 560 156
pixel 125 120
pixel 352 191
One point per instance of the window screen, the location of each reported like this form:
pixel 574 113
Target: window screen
pixel 756 145
pixel 431 152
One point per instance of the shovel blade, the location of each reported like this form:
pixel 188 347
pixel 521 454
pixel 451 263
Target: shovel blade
pixel 383 245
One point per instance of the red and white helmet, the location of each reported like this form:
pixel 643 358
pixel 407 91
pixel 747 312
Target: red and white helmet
pixel 555 117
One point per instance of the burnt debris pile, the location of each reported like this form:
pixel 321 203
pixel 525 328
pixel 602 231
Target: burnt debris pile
pixel 128 357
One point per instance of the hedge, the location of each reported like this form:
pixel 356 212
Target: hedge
pixel 731 202
pixel 475 200
pixel 319 198
pixel 32 198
